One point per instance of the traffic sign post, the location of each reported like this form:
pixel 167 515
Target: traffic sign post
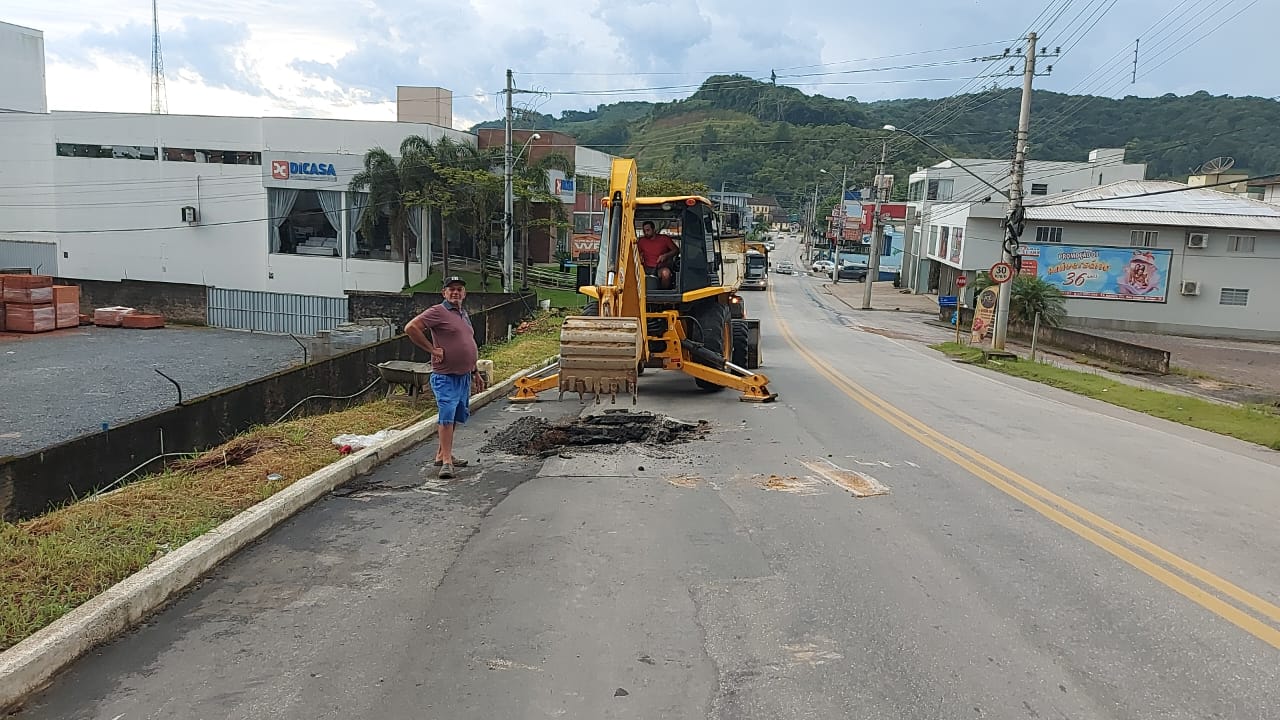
pixel 961 281
pixel 1001 272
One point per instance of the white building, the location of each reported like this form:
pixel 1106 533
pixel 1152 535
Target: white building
pixel 945 196
pixel 1191 261
pixel 22 84
pixel 244 203
pixel 233 202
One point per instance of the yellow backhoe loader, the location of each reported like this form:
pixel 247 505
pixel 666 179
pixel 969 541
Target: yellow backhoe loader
pixel 633 322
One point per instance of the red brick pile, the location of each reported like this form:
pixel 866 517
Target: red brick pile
pixel 27 304
pixel 33 304
pixel 126 317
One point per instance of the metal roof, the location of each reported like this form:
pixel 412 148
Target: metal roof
pixel 1128 202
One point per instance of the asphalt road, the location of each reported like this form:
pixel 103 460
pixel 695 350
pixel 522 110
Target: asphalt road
pixel 59 386
pixel 1036 556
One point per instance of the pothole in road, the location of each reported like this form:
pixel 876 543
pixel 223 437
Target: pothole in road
pixel 536 436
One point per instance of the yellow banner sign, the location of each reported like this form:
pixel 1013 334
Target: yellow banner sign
pixel 984 315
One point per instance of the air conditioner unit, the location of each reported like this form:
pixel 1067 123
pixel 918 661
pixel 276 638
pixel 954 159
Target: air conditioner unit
pixel 1190 287
pixel 1198 240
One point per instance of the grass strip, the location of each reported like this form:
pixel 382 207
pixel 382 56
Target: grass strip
pixel 51 564
pixel 1251 423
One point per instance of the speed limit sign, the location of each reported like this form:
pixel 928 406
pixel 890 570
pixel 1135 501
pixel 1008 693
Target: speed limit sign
pixel 1001 272
pixel 961 281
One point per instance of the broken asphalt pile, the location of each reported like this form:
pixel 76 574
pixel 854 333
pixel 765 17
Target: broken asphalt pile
pixel 535 436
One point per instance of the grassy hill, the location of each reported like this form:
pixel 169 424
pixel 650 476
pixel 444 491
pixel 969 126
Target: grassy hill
pixel 764 138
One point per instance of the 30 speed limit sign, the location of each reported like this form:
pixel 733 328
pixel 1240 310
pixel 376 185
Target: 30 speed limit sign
pixel 1001 272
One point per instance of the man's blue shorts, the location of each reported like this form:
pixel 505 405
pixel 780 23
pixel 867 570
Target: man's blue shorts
pixel 453 397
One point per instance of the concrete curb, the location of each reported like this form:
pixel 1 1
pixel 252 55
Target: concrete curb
pixel 29 665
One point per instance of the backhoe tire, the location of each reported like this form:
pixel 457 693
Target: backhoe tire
pixel 711 319
pixel 741 343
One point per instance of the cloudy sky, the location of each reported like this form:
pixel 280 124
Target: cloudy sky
pixel 343 58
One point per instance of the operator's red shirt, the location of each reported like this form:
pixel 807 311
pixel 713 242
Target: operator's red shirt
pixel 653 248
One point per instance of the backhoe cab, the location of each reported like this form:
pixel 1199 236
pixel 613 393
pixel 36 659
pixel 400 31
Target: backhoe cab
pixel 632 322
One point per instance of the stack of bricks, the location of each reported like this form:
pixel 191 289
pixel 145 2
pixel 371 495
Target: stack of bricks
pixel 126 317
pixel 28 303
pixel 66 305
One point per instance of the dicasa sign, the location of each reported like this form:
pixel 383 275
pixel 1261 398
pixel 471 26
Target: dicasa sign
pixel 284 169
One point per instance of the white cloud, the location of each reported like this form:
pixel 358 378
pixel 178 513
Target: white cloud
pixel 337 58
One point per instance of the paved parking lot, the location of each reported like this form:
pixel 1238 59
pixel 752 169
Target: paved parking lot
pixel 60 385
pixel 1235 362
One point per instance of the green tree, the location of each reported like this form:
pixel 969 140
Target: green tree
pixel 474 203
pixel 1031 295
pixel 662 186
pixel 387 180
pixel 531 186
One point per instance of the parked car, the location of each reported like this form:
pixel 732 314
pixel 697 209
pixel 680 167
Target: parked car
pixel 823 266
pixel 852 272
pixel 785 268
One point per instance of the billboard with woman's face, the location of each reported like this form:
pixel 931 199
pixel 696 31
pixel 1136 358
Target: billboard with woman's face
pixel 1136 274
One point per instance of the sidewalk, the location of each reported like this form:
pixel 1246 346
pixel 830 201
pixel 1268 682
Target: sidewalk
pixel 922 325
pixel 884 296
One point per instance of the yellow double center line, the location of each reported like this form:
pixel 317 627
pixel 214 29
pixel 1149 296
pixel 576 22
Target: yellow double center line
pixel 1175 572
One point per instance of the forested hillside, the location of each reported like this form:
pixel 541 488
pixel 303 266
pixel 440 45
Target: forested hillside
pixel 765 138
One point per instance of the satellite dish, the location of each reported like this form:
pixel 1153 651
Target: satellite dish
pixel 1218 165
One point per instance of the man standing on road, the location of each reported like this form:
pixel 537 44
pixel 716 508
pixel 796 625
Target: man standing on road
pixel 453 365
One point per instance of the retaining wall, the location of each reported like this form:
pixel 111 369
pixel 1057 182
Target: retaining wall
pixel 177 302
pixel 34 483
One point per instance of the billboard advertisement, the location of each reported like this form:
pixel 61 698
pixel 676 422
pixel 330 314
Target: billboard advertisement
pixel 1136 274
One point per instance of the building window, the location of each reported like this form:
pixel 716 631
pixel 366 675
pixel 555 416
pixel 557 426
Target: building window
pixel 1049 234
pixel 915 191
pixel 940 190
pixel 944 241
pixel 305 222
pixel 1039 188
pixel 369 234
pixel 1234 296
pixel 216 157
pixel 1241 243
pixel 957 244
pixel 1143 238
pixel 126 152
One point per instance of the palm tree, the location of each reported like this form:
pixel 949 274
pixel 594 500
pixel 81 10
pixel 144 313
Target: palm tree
pixel 388 182
pixel 466 186
pixel 530 185
pixel 1031 295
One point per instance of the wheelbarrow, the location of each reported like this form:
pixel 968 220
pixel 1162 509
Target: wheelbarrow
pixel 412 377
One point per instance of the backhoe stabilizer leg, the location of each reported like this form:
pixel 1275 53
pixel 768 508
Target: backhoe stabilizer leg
pixel 754 388
pixel 527 389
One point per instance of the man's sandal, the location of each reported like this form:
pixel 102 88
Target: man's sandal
pixel 456 463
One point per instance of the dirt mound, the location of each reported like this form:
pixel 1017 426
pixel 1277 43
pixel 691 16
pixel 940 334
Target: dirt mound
pixel 535 436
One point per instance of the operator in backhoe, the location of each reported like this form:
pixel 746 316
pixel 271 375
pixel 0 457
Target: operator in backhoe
pixel 656 253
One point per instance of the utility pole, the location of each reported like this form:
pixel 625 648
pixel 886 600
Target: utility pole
pixel 813 212
pixel 1135 61
pixel 844 181
pixel 508 210
pixel 877 235
pixel 1014 218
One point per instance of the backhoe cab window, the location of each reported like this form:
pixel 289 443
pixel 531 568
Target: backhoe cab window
pixel 688 227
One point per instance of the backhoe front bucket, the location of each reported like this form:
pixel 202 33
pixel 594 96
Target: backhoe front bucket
pixel 600 356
